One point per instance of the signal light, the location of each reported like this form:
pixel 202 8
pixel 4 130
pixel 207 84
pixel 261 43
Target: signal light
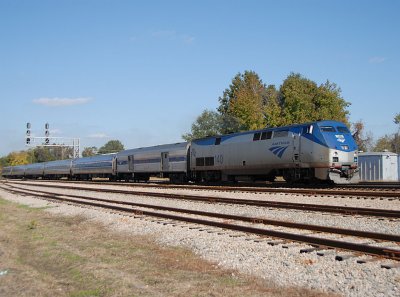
pixel 47 133
pixel 28 140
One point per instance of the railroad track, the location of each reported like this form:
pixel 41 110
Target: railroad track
pixel 344 210
pixel 214 220
pixel 370 191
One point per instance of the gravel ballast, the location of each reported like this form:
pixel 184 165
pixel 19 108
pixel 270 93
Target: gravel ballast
pixel 283 266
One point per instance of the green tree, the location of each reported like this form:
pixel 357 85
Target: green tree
pixel 248 104
pixel 43 154
pixel 397 134
pixel 302 100
pixel 243 103
pixel 397 119
pixel 61 152
pixel 4 161
pixel 272 107
pixel 206 124
pixel 384 143
pixel 390 142
pixel 229 124
pixel 296 96
pixel 329 103
pixel 18 158
pixel 113 146
pixel 89 151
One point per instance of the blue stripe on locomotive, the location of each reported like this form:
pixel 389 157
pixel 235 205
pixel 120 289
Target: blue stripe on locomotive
pixel 336 140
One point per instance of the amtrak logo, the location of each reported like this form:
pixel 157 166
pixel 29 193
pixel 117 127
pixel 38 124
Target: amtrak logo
pixel 278 150
pixel 340 138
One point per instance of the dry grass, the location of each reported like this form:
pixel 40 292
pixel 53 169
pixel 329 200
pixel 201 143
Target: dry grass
pixel 46 255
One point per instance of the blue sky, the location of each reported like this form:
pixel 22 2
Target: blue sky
pixel 142 71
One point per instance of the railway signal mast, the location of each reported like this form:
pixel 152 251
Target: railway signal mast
pixel 47 141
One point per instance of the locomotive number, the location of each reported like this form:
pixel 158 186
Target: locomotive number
pixel 219 159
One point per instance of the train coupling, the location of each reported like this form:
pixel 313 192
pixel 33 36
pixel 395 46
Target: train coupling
pixel 344 175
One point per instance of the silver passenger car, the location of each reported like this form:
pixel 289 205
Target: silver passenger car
pixel 96 166
pixel 6 171
pixel 57 169
pixel 18 171
pixel 168 160
pixel 34 170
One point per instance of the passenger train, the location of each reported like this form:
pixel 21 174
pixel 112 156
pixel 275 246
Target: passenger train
pixel 316 151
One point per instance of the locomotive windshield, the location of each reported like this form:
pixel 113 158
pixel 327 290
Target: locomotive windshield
pixel 327 129
pixel 343 129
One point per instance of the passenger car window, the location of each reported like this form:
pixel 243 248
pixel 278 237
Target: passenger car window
pixel 343 129
pixel 327 129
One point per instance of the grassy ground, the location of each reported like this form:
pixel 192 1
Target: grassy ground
pixel 45 255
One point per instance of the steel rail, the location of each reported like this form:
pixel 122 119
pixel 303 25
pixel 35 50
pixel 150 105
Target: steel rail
pixel 370 191
pixel 387 213
pixel 389 253
pixel 335 230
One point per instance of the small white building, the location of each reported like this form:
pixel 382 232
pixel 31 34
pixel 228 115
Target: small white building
pixel 398 167
pixel 379 166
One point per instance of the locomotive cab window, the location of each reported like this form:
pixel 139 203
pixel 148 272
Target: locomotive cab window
pixel 266 135
pixel 282 133
pixel 308 129
pixel 327 129
pixel 256 136
pixel 343 129
pixel 218 141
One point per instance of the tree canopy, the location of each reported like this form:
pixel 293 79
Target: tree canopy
pixel 206 124
pixel 44 154
pixel 113 146
pixel 397 120
pixel 18 158
pixel 36 155
pixel 390 142
pixel 244 101
pixel 89 151
pixel 302 100
pixel 249 104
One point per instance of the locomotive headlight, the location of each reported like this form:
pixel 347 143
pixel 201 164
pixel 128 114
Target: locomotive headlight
pixel 335 157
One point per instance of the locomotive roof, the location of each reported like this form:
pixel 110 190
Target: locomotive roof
pixel 281 128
